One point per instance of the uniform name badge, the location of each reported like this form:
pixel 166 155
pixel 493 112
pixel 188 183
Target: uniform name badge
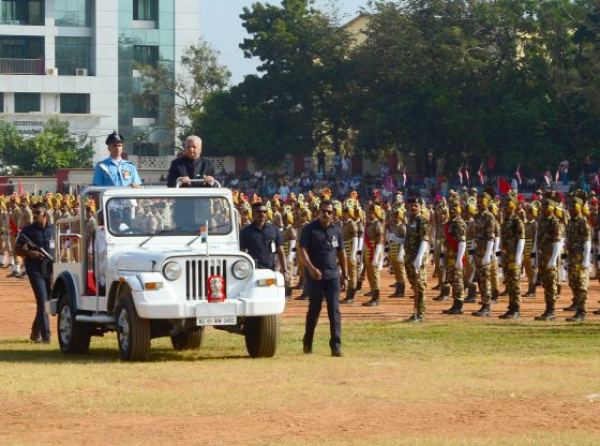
pixel 52 244
pixel 126 174
pixel 273 247
pixel 334 242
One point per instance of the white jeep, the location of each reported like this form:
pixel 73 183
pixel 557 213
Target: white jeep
pixel 162 262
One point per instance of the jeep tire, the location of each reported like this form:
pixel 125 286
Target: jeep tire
pixel 133 332
pixel 73 336
pixel 262 335
pixel 189 340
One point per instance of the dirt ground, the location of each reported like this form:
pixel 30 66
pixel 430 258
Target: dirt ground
pixel 503 417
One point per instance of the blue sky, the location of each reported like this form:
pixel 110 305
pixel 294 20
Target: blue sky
pixel 221 26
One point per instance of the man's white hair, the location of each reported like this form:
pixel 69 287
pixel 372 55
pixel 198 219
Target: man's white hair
pixel 194 138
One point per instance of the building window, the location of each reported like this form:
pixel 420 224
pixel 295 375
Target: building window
pixel 22 12
pixel 74 12
pixel 146 107
pixel 1 102
pixel 145 10
pixel 74 103
pixel 145 55
pixel 72 53
pixel 27 102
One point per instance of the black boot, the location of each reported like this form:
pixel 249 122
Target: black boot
pixel 374 300
pixel 359 284
pixel 444 293
pixel 415 318
pixel 547 315
pixel 512 313
pixel 349 296
pixel 369 294
pixel 471 297
pixel 578 317
pixel 399 290
pixel 571 307
pixel 456 308
pixel 484 311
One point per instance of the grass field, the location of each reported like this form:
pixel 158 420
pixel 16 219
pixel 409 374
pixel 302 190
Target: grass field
pixel 453 383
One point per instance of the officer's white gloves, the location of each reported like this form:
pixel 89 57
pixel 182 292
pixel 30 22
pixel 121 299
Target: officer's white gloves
pixel 354 249
pixel 587 251
pixel 556 250
pixel 462 247
pixel 422 250
pixel 519 252
pixel 290 257
pixel 487 256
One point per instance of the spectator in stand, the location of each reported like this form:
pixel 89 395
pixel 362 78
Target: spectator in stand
pixel 563 171
pixel 321 162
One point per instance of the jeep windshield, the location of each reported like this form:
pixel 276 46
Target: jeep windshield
pixel 168 216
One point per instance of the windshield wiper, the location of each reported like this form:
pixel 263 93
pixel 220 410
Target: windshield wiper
pixel 154 235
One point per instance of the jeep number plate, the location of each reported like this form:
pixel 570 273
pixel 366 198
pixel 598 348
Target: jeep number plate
pixel 216 320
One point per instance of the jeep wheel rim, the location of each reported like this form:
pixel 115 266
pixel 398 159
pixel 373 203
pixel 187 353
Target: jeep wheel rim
pixel 124 330
pixel 66 325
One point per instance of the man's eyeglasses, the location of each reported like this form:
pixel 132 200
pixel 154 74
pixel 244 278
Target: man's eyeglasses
pixel 325 211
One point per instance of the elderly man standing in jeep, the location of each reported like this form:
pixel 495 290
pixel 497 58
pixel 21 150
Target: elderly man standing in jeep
pixel 191 166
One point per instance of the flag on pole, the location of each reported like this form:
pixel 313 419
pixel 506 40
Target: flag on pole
pixel 404 177
pixel 480 173
pixel 518 172
pixel 503 186
pixel 20 187
pixel 468 173
pixel 460 174
pixel 557 176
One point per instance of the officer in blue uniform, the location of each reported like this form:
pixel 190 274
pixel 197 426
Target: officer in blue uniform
pixel 114 170
pixel 322 253
pixel 36 243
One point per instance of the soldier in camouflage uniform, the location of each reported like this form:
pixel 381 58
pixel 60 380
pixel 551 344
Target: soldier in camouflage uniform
pixel 396 237
pixel 470 266
pixel 530 253
pixel 549 241
pixel 441 217
pixel 350 235
pixel 579 247
pixel 455 232
pixel 416 246
pixel 513 244
pixel 486 236
pixel 289 246
pixel 373 252
pixel 496 265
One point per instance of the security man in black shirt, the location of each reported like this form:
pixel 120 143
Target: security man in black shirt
pixel 262 240
pixel 322 252
pixel 36 243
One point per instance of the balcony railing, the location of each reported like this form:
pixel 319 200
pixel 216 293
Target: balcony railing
pixel 22 66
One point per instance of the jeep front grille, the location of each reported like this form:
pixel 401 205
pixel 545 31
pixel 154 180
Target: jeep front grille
pixel 196 273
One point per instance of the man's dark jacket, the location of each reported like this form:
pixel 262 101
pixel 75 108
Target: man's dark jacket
pixel 185 167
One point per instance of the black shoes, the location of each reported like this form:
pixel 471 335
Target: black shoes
pixel 456 308
pixel 571 307
pixel 336 352
pixel 578 317
pixel 307 349
pixel 484 311
pixel 302 297
pixel 372 303
pixel 415 318
pixel 510 315
pixel 546 316
pixel 399 292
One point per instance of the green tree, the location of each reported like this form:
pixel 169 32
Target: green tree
pixel 51 149
pixel 199 76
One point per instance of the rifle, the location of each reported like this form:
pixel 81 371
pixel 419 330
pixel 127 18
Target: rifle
pixel 45 253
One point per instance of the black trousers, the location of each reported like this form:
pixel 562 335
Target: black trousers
pixel 330 290
pixel 41 290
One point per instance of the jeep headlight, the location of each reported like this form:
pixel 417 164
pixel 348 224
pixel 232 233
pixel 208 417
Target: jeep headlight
pixel 241 269
pixel 172 270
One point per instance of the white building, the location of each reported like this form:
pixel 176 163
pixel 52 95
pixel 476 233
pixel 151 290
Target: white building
pixel 74 59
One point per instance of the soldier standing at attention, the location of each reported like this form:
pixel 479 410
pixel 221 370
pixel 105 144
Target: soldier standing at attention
pixel 550 247
pixel 486 236
pixel 396 237
pixel 440 214
pixel 350 234
pixel 289 246
pixel 530 253
pixel 470 267
pixel 513 244
pixel 417 246
pixel 455 242
pixel 374 252
pixel 579 248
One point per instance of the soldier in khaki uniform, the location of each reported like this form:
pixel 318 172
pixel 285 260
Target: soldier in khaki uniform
pixel 513 245
pixel 530 257
pixel 416 246
pixel 350 234
pixel 289 246
pixel 441 217
pixel 486 236
pixel 549 240
pixel 455 244
pixel 579 248
pixel 470 266
pixel 373 252
pixel 495 265
pixel 396 237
